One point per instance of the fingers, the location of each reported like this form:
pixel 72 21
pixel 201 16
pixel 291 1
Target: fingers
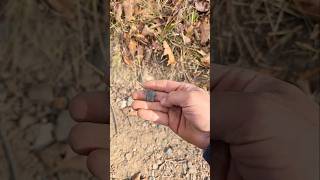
pixel 90 107
pixel 154 116
pixel 155 106
pixel 231 78
pixel 141 95
pixel 165 85
pixel 227 78
pixel 98 163
pixel 183 98
pixel 86 137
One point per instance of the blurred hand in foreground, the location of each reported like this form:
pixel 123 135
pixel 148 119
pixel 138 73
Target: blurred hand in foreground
pixel 90 136
pixel 264 128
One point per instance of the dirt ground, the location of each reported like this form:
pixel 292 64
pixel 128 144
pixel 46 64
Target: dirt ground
pixel 40 71
pixel 140 146
pixel 151 40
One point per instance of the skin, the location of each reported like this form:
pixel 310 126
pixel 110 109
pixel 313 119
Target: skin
pixel 263 128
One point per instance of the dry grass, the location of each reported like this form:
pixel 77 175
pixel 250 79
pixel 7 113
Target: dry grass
pixel 270 36
pixel 38 33
pixel 167 21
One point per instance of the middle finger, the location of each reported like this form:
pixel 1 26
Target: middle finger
pixel 141 95
pixel 156 106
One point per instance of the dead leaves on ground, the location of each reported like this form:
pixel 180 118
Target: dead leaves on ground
pixel 148 33
pixel 202 5
pixel 205 31
pixel 168 51
pixel 129 8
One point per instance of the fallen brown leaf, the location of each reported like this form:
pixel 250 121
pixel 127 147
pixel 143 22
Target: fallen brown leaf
pixel 140 52
pixel 128 7
pixel 205 31
pixel 202 5
pixel 189 31
pixel 186 40
pixel 206 60
pixel 133 47
pixel 147 31
pixel 126 56
pixel 168 51
pixel 127 60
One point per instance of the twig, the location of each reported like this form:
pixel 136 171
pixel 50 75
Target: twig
pixel 9 157
pixel 114 119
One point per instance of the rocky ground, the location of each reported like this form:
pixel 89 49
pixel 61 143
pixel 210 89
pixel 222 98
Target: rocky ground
pixel 155 40
pixel 40 71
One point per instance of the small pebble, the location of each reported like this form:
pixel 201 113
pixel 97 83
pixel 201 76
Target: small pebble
pixel 44 137
pixel 63 127
pixel 168 151
pixel 128 156
pixel 123 104
pixel 155 166
pixel 129 101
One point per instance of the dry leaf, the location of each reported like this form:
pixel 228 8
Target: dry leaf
pixel 65 7
pixel 206 60
pixel 126 56
pixel 205 31
pixel 127 60
pixel 168 51
pixel 118 12
pixel 132 113
pixel 147 31
pixel 128 7
pixel 202 5
pixel 133 47
pixel 189 31
pixel 186 40
pixel 140 52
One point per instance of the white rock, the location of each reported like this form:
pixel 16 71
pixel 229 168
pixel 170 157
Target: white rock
pixel 123 104
pixel 168 151
pixel 129 101
pixel 44 137
pixel 63 127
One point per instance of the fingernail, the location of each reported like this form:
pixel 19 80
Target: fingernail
pixel 78 108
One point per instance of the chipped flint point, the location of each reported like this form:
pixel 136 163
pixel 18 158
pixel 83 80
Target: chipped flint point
pixel 150 95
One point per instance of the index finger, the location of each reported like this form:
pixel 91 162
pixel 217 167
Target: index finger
pixel 163 85
pixel 90 107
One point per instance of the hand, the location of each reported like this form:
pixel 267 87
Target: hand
pixel 90 136
pixel 264 128
pixel 183 107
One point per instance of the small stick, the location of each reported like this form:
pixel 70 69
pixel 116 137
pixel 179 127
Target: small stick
pixel 114 120
pixel 7 150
